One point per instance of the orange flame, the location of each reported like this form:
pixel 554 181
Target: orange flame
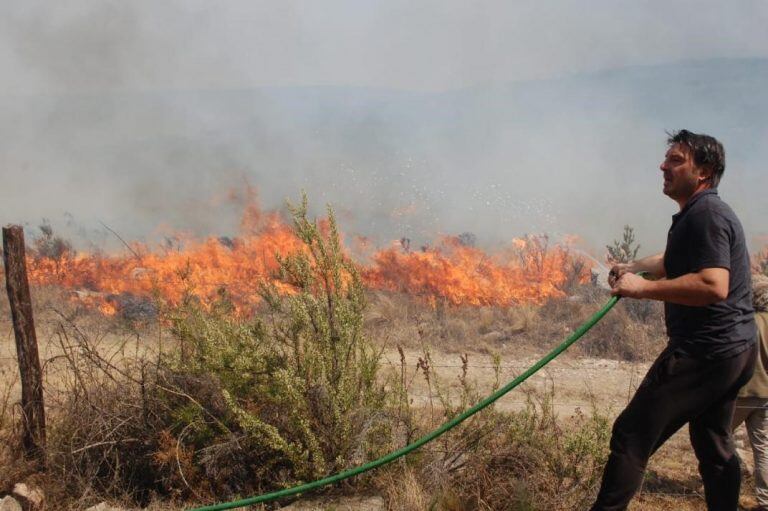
pixel 201 269
pixel 527 271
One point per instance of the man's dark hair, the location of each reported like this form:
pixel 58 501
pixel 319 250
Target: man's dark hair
pixel 707 151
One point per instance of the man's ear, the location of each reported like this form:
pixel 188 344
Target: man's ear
pixel 705 174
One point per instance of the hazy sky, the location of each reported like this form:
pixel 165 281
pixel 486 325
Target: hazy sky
pixel 424 45
pixel 143 113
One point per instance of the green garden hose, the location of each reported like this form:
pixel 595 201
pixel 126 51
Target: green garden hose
pixel 428 437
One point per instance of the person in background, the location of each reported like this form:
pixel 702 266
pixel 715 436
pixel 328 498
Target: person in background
pixel 752 402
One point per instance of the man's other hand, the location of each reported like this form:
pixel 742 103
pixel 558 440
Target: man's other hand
pixel 617 271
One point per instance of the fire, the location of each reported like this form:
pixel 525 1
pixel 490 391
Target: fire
pixel 527 271
pixel 202 268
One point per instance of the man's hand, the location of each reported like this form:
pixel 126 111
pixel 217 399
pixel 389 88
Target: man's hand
pixel 617 271
pixel 629 285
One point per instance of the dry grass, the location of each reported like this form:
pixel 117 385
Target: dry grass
pixel 529 459
pixel 403 490
pixel 634 330
pixel 87 360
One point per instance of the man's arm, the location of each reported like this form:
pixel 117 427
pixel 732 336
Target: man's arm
pixel 705 287
pixel 653 265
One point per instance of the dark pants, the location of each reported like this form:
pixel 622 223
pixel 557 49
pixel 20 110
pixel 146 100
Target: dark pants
pixel 679 389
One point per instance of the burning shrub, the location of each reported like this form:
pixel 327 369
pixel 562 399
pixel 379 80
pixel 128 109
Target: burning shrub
pixel 454 269
pixel 49 246
pixel 467 239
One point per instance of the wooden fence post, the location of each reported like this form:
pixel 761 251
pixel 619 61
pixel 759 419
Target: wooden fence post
pixel 17 284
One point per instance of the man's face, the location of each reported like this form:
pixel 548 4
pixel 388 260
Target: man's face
pixel 682 177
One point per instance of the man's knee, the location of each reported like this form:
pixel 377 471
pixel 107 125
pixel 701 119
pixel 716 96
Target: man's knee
pixel 620 432
pixel 630 436
pixel 713 446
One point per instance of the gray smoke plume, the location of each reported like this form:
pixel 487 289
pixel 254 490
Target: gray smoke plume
pixel 415 121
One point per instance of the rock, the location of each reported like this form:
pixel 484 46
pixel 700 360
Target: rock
pixel 85 294
pixel 9 504
pixel 374 503
pixel 34 496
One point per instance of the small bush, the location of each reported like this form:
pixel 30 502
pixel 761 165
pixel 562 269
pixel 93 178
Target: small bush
pixel 541 462
pixel 526 460
pixel 634 330
pixel 330 374
pixel 620 335
pixel 47 245
pixel 299 384
pixel 623 251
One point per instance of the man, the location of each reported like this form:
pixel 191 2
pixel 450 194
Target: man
pixel 703 277
pixel 752 403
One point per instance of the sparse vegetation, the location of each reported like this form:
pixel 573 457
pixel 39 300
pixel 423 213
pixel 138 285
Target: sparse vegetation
pixel 632 331
pixel 204 404
pixel 526 460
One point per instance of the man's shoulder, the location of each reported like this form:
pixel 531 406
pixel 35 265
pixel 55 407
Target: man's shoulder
pixel 710 201
pixel 712 205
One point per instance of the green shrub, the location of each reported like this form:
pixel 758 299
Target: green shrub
pixel 299 382
pixel 623 251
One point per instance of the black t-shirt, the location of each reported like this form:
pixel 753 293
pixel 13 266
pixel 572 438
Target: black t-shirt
pixel 707 234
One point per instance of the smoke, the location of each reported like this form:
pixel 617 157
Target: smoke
pixel 412 121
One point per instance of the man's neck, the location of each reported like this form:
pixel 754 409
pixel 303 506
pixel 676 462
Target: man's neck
pixel 698 190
